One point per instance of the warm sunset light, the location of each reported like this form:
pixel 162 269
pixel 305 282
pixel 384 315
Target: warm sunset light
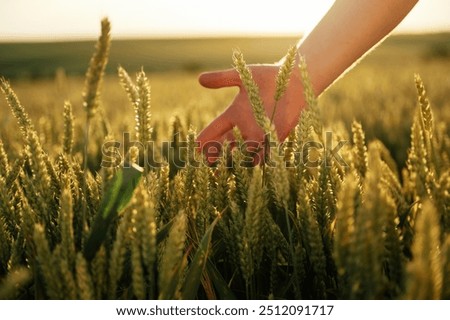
pixel 230 159
pixel 50 19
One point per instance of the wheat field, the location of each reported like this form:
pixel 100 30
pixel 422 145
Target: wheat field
pixel 104 196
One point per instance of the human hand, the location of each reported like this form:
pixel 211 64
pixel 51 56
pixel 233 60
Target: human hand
pixel 239 113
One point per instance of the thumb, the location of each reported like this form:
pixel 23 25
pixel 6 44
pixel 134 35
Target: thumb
pixel 220 79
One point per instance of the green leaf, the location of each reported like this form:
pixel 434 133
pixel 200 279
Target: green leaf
pixel 194 274
pixel 121 190
pixel 116 197
pixel 164 231
pixel 223 290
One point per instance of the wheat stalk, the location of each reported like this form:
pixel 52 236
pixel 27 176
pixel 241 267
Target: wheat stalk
pixel 68 129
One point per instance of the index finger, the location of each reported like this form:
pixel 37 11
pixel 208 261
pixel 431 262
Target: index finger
pixel 215 130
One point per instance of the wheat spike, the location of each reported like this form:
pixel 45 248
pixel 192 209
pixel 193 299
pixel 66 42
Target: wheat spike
pixel 54 187
pixel 344 237
pixel 143 116
pixel 241 228
pixel 15 253
pixel 311 99
pixel 66 225
pixel 44 259
pixel 387 158
pixel 394 259
pixel 15 171
pixel 298 262
pixel 171 261
pixel 129 86
pixel 391 183
pixel 302 135
pixel 84 281
pixel 283 76
pixel 143 245
pixel 425 274
pixel 36 158
pixel 99 273
pixel 359 149
pixel 241 178
pixel 111 160
pixel 162 191
pixel 118 253
pixel 27 223
pixel 95 72
pixel 302 132
pixel 191 166
pixel 221 187
pixel 254 221
pixel 137 273
pixel 324 200
pixel 18 110
pixel 231 228
pixel 176 200
pixel 147 230
pixel 204 208
pixel 68 128
pixel 284 73
pixel 5 242
pixel 418 161
pixel 6 215
pixel 66 277
pixel 277 176
pixel 252 91
pixel 288 152
pixel 313 244
pixel 4 163
pixel 425 108
pixel 369 224
pixel 91 92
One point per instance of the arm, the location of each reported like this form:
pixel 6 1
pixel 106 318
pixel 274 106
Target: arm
pixel 345 33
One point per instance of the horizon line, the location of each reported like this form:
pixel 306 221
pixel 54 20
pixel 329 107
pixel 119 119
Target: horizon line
pixel 179 36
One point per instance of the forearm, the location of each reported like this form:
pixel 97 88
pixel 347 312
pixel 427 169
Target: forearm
pixel 345 33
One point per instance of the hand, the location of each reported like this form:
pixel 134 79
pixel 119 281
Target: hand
pixel 240 114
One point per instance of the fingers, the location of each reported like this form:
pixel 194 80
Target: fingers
pixel 220 79
pixel 214 131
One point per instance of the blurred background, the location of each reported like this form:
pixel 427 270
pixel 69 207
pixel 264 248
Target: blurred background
pixel 38 37
pixel 45 47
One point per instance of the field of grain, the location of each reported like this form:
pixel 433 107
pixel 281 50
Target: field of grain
pixel 74 226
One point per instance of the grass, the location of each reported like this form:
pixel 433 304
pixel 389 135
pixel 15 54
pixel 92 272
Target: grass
pixel 377 227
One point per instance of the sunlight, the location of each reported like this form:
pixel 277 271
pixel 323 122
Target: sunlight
pixel 51 19
pixel 203 17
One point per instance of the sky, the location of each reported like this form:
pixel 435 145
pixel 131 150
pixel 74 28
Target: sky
pixel 61 19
